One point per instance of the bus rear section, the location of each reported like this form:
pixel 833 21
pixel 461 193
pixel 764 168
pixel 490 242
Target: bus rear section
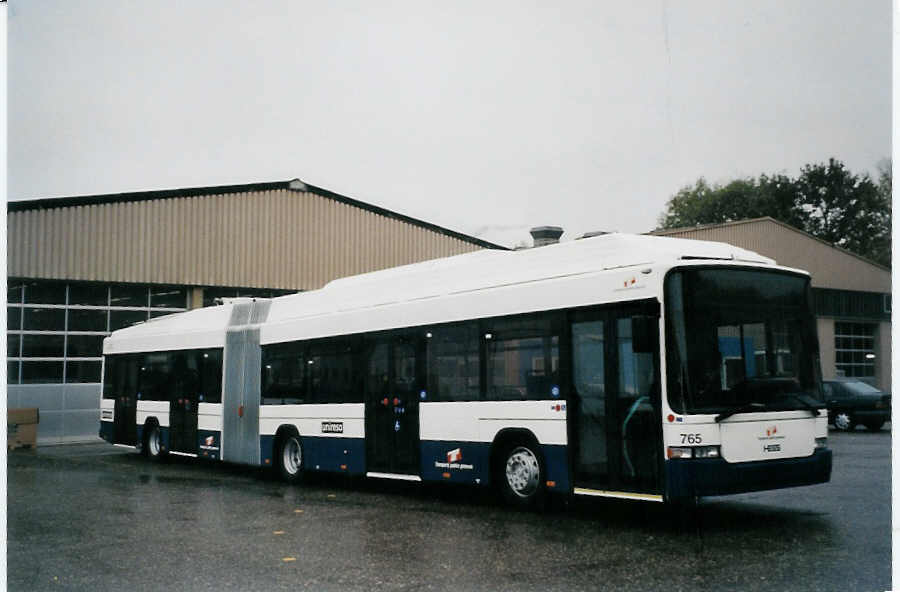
pixel 164 401
pixel 745 410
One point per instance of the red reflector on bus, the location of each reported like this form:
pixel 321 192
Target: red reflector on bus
pixel 267 461
pixel 446 475
pixel 551 483
pixel 671 418
pixel 343 467
pixel 240 411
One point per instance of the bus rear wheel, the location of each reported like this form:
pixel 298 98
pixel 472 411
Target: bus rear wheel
pixel 521 475
pixel 290 458
pixel 152 445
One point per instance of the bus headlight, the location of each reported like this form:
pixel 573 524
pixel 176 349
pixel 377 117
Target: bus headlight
pixel 706 452
pixel 692 452
pixel 821 442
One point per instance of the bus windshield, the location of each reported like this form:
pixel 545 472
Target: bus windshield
pixel 740 339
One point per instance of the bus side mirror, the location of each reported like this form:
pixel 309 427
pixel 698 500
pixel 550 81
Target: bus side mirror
pixel 644 333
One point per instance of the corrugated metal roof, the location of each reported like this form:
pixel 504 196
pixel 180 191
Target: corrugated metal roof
pixel 294 185
pixel 292 238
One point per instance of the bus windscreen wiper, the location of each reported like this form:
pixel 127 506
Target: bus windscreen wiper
pixel 742 409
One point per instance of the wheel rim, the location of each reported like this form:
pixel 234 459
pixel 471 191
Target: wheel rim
pixel 842 421
pixel 291 456
pixel 522 472
pixel 153 442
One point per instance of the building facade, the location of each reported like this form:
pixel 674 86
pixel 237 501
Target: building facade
pixel 851 295
pixel 81 267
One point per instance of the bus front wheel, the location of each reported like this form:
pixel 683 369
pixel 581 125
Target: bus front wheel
pixel 521 475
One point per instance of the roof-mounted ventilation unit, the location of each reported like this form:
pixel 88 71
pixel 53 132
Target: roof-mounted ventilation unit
pixel 546 235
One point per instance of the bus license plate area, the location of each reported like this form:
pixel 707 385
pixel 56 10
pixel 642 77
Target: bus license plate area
pixel 763 440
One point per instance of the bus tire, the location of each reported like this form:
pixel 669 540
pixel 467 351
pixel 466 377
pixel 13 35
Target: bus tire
pixel 289 457
pixel 152 445
pixel 521 474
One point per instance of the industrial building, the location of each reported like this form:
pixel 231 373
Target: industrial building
pixel 81 267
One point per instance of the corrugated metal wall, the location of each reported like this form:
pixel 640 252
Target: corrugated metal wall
pixel 829 267
pixel 280 239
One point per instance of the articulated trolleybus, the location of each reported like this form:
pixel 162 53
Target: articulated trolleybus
pixel 624 366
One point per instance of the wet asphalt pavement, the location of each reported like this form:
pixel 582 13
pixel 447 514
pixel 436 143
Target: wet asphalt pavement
pixel 97 517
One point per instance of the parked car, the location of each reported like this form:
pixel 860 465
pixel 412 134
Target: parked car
pixel 852 402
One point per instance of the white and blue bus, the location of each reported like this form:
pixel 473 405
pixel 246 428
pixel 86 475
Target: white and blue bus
pixel 624 366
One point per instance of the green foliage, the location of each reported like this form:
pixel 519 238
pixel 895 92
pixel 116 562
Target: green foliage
pixel 825 200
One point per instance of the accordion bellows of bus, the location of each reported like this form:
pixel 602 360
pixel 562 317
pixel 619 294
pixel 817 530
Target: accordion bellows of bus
pixel 639 367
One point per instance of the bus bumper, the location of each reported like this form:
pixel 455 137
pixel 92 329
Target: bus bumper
pixel 686 478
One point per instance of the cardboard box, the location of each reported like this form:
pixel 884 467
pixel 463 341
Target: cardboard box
pixel 21 427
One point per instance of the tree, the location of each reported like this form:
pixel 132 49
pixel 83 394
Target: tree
pixel 846 210
pixel 826 200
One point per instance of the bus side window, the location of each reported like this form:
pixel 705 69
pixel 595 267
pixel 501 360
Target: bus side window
pixel 155 374
pixel 522 356
pixel 111 374
pixel 283 374
pixel 121 376
pixel 211 375
pixel 454 367
pixel 332 370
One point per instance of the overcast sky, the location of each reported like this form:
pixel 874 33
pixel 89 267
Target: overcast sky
pixel 486 117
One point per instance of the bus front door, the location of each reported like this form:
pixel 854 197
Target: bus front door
pixel 615 425
pixel 636 430
pixel 395 375
pixel 587 409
